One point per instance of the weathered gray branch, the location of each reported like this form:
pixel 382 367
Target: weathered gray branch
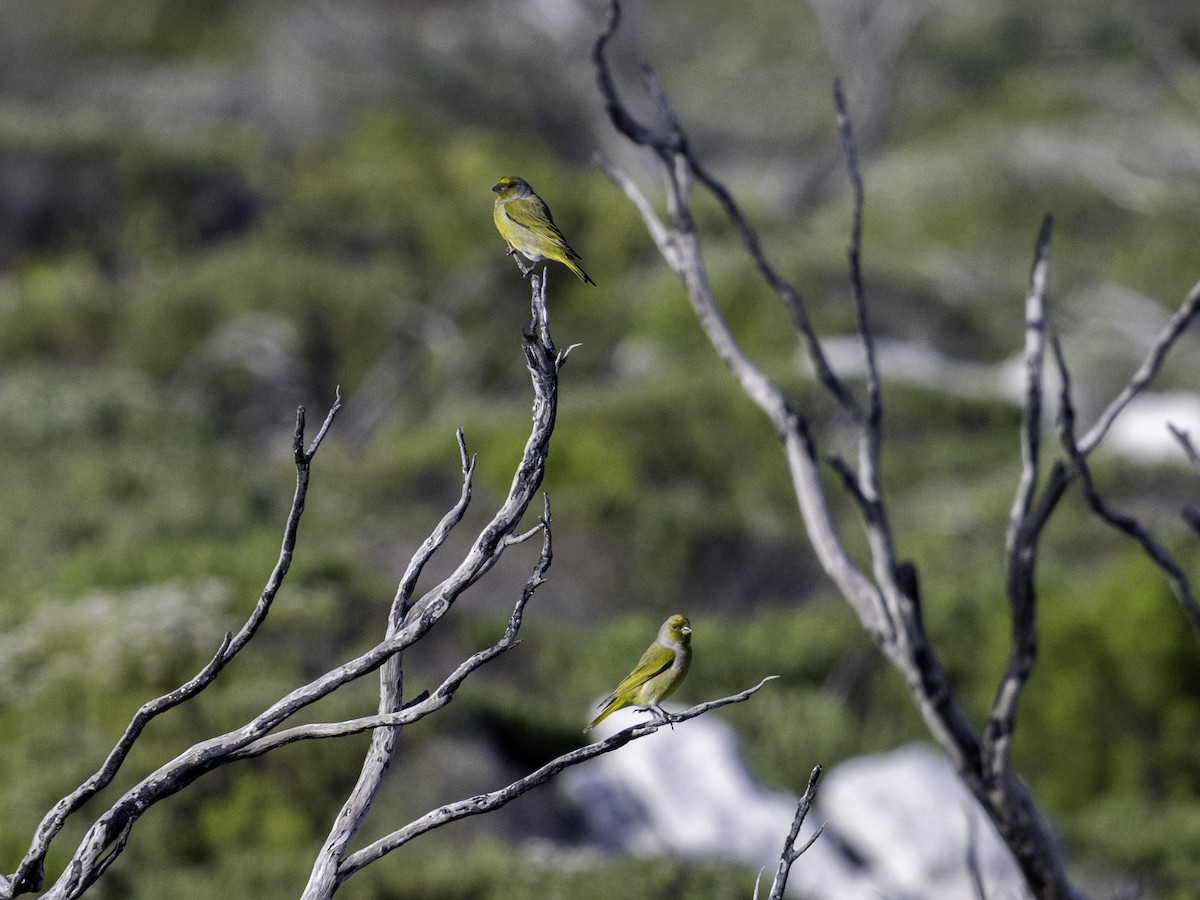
pixel 1123 522
pixel 485 803
pixel 30 875
pixel 1146 371
pixel 1024 526
pixel 407 623
pixel 888 604
pixel 426 703
pixel 790 851
pixel 330 868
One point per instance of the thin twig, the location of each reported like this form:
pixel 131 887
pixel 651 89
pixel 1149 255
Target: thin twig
pixel 1184 439
pixel 788 295
pixel 1123 522
pixel 854 258
pixel 30 875
pixel 672 148
pixel 1146 372
pixel 437 537
pixel 1031 409
pixel 659 233
pixel 1025 524
pixel 869 492
pixel 427 703
pixel 790 851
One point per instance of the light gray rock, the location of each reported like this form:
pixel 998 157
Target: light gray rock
pixel 898 824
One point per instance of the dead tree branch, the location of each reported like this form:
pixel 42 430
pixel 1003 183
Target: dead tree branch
pixel 485 803
pixel 887 601
pixel 1146 372
pixel 30 875
pixel 1121 521
pixel 407 623
pixel 790 851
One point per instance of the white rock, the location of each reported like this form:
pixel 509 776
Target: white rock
pixel 899 824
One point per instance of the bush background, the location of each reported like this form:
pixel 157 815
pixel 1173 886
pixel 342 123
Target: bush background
pixel 213 212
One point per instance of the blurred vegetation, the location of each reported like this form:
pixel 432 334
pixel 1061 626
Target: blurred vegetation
pixel 213 213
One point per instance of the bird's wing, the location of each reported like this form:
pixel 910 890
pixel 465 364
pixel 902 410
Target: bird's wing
pixel 656 660
pixel 534 214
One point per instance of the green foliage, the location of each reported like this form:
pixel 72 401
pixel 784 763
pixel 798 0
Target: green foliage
pixel 1147 840
pixel 195 285
pixel 1136 713
pixel 255 810
pixel 151 29
pixel 59 307
pixel 494 871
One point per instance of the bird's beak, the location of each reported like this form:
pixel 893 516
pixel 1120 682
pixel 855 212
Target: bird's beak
pixel 686 629
pixel 497 188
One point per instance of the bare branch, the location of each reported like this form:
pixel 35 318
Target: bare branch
pixel 105 839
pixel 625 122
pixel 1145 374
pixel 790 852
pixel 1024 525
pixel 1123 522
pixel 854 254
pixel 658 231
pixel 849 480
pixel 30 875
pixel 409 625
pixel 322 431
pixel 427 703
pixel 888 606
pixel 485 803
pixel 437 537
pixel 868 491
pixel 673 150
pixel 788 421
pixel 1031 409
pixel 1184 439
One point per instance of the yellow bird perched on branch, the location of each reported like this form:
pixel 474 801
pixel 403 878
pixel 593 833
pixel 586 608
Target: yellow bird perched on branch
pixel 658 673
pixel 524 220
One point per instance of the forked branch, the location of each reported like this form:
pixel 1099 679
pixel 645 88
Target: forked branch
pixel 407 623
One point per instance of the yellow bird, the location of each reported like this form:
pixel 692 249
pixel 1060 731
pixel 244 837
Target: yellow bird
pixel 658 673
pixel 523 219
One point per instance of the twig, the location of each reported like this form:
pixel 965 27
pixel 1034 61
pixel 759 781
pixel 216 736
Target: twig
pixel 437 537
pixel 427 703
pixel 854 258
pixel 1184 439
pixel 543 362
pixel 1146 372
pixel 1031 409
pixel 30 875
pixel 1123 522
pixel 1024 527
pixel 790 851
pixel 869 491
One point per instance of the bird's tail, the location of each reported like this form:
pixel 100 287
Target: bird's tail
pixel 611 706
pixel 578 270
